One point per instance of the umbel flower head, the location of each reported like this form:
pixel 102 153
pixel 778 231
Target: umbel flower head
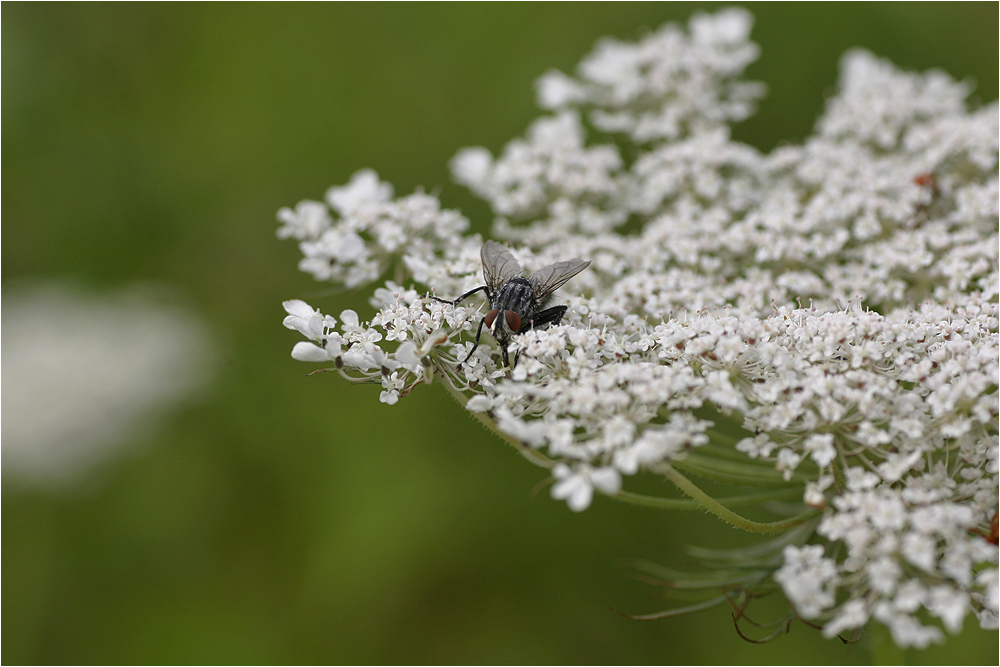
pixel 820 320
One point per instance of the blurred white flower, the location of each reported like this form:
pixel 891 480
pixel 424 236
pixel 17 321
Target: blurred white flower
pixel 365 188
pixel 576 486
pixel 809 579
pixel 78 393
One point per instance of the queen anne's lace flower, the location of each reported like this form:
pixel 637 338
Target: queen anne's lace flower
pixel 835 300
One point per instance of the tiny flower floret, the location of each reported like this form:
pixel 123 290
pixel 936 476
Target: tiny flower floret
pixel 576 486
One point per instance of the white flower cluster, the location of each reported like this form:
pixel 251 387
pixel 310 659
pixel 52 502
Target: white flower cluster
pixel 907 547
pixel 372 230
pixel 670 84
pixel 835 299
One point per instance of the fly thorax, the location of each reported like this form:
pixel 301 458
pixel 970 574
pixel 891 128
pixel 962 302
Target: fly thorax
pixel 514 303
pixel 516 294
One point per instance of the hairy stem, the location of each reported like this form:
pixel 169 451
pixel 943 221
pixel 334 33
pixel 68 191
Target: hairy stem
pixel 715 507
pixel 687 504
pixel 527 452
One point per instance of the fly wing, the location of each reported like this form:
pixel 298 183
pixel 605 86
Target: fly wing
pixel 548 279
pixel 498 265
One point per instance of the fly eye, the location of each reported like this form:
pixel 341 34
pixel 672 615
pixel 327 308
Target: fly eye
pixel 490 318
pixel 513 320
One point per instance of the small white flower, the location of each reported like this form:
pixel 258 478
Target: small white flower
pixel 304 351
pixel 531 432
pixel 576 486
pixel 309 322
pixel 359 358
pixel 851 615
pixel 788 461
pixel 471 166
pixel 307 221
pixel 950 606
pixel 392 383
pixel 920 550
pixel 364 188
pixel 760 446
pixel 906 630
pixel 883 574
pixel 409 355
pixel 989 580
pixel 820 448
pixel 556 90
pixel 897 465
pixel 808 579
pixel 350 322
pixel 814 495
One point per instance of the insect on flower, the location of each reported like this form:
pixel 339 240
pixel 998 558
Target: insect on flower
pixel 517 304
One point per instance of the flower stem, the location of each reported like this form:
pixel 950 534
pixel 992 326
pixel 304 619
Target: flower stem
pixel 883 650
pixel 733 472
pixel 688 504
pixel 715 507
pixel 530 454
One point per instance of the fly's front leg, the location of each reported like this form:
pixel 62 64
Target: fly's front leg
pixel 464 296
pixel 479 332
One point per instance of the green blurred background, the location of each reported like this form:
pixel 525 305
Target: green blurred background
pixel 286 519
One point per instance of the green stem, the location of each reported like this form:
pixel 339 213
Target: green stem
pixel 700 498
pixel 687 504
pixel 715 507
pixel 881 645
pixel 530 454
pixel 718 470
pixel 717 451
pixel 701 606
pixel 718 437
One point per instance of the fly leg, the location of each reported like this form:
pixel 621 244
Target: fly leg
pixel 479 332
pixel 540 320
pixel 455 302
pixel 464 296
pixel 544 318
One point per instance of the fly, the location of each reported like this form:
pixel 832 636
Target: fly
pixel 517 304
